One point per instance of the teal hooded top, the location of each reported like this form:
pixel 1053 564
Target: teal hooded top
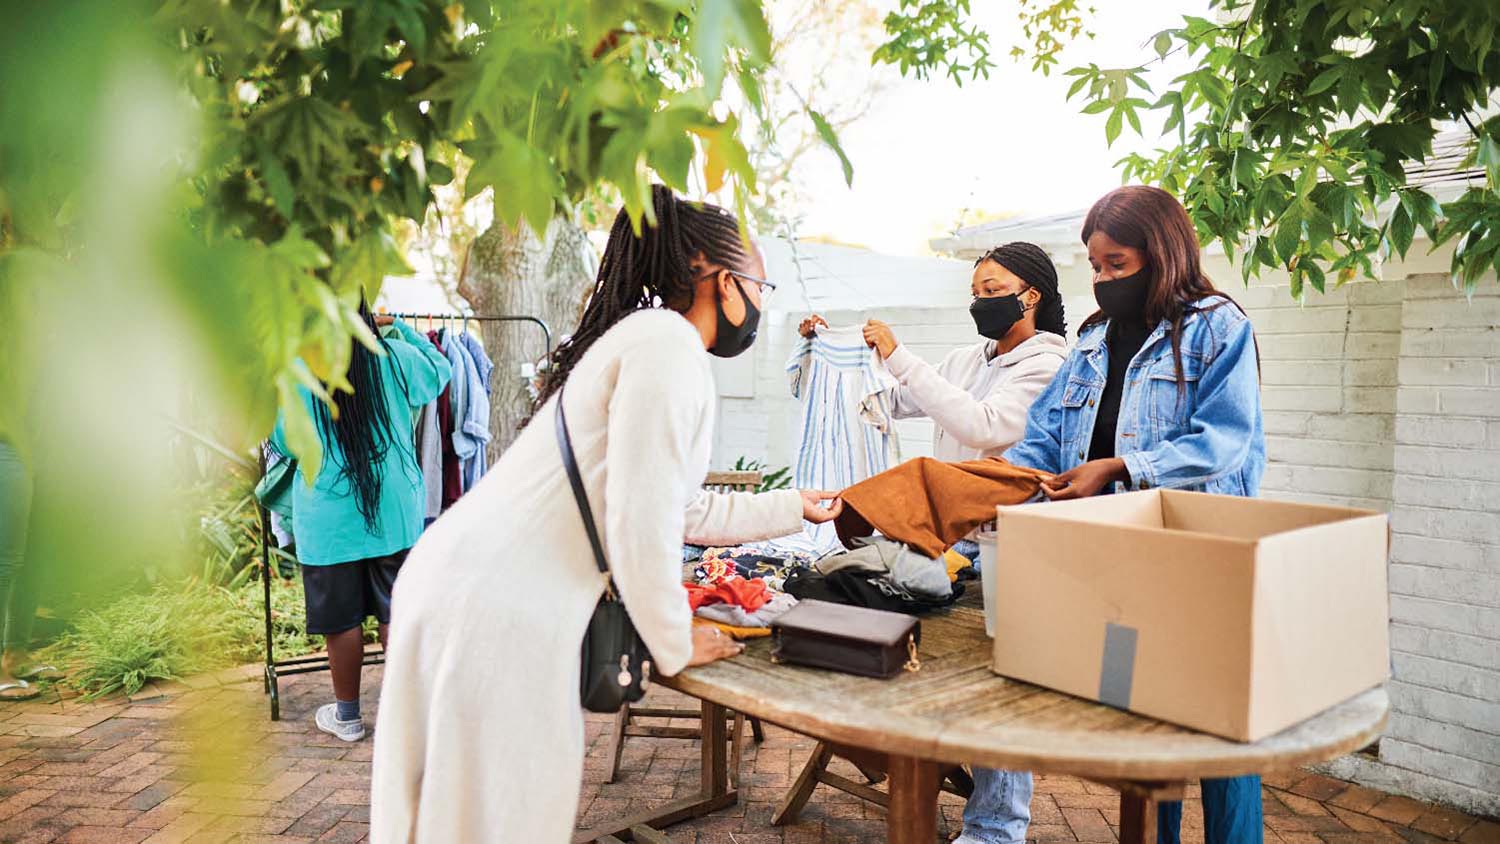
pixel 326 523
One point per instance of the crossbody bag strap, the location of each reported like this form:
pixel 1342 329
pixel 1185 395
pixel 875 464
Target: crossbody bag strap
pixel 580 495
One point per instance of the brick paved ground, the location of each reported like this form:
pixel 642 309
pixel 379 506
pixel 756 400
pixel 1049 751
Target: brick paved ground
pixel 202 763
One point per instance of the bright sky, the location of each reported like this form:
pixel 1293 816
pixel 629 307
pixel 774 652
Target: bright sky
pixel 1011 144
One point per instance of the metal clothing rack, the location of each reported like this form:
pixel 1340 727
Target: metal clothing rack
pixel 437 318
pixel 276 669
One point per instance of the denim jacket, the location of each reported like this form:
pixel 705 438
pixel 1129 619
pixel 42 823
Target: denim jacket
pixel 1208 438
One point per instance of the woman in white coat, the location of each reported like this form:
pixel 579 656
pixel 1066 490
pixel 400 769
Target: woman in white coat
pixel 480 734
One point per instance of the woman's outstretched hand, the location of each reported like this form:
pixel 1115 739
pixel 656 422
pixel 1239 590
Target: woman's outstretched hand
pixel 813 509
pixel 1085 481
pixel 710 644
pixel 809 326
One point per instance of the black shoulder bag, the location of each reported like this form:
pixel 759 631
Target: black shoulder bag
pixel 616 663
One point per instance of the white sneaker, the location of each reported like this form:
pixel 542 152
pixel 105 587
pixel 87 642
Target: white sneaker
pixel 328 721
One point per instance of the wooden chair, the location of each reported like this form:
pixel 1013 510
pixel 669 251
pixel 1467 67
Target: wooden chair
pixel 623 729
pixel 869 763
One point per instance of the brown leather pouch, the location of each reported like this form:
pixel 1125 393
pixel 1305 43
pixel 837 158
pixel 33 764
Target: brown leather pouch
pixel 855 640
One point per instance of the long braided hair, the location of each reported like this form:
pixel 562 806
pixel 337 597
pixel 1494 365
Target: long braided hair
pixel 362 427
pixel 1153 221
pixel 653 270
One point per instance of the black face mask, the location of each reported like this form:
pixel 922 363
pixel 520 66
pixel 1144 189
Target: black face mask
pixel 734 339
pixel 995 316
pixel 1124 298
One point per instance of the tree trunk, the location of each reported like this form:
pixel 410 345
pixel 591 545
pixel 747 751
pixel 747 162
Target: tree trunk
pixel 510 271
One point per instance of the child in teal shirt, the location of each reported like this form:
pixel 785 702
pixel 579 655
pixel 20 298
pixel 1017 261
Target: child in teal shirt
pixel 355 522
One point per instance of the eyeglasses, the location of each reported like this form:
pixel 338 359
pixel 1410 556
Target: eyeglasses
pixel 766 287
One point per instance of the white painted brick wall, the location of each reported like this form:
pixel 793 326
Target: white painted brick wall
pixel 1328 376
pixel 1444 735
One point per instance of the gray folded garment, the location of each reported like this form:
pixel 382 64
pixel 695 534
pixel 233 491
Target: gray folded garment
pixel 910 573
pixel 734 615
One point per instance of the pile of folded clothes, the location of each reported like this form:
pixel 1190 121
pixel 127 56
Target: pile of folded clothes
pixel 899 527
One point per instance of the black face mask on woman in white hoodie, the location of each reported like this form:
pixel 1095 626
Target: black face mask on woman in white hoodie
pixel 995 316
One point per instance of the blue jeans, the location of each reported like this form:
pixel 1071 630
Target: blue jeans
pixel 17 591
pixel 999 810
pixel 1231 814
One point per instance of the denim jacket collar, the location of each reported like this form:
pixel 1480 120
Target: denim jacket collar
pixel 1092 346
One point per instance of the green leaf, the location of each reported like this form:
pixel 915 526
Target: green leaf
pixel 1401 229
pixel 311 132
pixel 1097 107
pixel 1289 232
pixel 301 434
pixel 278 184
pixel 1163 43
pixel 365 264
pixel 1315 275
pixel 525 181
pixel 1488 157
pixel 1112 126
pixel 1244 167
pixel 722 25
pixel 299 252
pixel 1325 80
pixel 831 138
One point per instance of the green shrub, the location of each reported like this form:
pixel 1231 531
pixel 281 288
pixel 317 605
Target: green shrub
pixel 178 629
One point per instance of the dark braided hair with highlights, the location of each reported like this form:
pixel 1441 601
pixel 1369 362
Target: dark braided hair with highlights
pixel 362 426
pixel 655 269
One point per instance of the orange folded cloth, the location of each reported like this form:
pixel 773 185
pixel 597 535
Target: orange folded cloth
pixel 750 594
pixel 929 505
pixel 736 632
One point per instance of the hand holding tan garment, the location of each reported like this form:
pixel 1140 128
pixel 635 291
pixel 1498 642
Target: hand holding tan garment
pixel 930 505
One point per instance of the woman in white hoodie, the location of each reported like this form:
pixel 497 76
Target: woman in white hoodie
pixel 980 394
pixel 979 397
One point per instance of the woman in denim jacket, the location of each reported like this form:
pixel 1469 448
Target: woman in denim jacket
pixel 1162 390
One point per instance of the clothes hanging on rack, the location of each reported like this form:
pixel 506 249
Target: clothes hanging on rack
pixel 471 410
pixel 453 432
pixel 430 458
pixel 477 465
pixel 452 485
pixel 481 359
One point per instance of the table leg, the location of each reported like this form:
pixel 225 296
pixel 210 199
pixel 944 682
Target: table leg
pixel 1138 802
pixel 715 751
pixel 1137 818
pixel 714 795
pixel 913 795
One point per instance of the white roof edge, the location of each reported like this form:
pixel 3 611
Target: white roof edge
pixel 1058 233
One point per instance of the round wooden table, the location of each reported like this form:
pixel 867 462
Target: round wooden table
pixel 955 710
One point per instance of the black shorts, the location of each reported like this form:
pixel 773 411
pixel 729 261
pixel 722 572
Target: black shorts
pixel 340 596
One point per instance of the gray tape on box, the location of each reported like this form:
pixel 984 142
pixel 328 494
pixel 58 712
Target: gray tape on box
pixel 1117 667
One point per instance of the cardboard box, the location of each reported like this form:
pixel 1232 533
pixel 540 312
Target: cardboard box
pixel 1235 616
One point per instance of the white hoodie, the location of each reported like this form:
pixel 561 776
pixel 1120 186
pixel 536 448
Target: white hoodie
pixel 978 402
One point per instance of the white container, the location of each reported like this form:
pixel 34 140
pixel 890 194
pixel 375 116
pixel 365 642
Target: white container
pixel 987 578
